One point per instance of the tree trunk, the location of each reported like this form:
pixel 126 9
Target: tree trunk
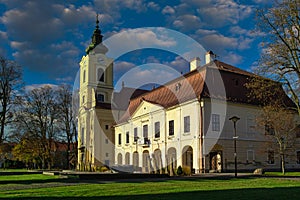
pixel 282 164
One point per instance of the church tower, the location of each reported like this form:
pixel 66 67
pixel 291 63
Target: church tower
pixel 95 136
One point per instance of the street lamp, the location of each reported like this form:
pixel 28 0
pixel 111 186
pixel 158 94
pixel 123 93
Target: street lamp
pixel 234 119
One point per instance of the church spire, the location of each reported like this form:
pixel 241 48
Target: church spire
pixel 96 38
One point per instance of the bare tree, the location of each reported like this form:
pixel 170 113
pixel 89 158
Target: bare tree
pixel 37 118
pixel 280 58
pixel 66 118
pixel 10 82
pixel 280 129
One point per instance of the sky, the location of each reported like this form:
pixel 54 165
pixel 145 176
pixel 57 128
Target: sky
pixel 48 37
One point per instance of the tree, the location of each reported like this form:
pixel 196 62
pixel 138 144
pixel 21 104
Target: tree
pixel 10 82
pixel 67 121
pixel 280 58
pixel 36 120
pixel 280 129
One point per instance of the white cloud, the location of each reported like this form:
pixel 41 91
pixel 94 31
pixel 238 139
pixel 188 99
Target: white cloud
pixel 216 41
pixel 237 30
pixel 232 58
pixel 179 64
pixel 3 35
pixel 187 22
pixel 219 41
pixel 133 39
pixel 153 6
pixel 168 10
pixel 205 32
pixel 123 65
pixel 224 12
pixel 36 86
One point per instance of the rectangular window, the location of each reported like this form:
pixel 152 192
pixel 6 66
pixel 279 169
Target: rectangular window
pixel 106 154
pixel 106 141
pixel 250 156
pixel 269 130
pixel 271 157
pixel 127 137
pixel 215 120
pixel 250 125
pixel 157 129
pixel 82 136
pixel 135 132
pixel 100 97
pixel 145 131
pixel 187 124
pixel 171 127
pixel 120 137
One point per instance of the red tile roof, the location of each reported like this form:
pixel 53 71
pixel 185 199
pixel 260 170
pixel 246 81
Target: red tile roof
pixel 196 84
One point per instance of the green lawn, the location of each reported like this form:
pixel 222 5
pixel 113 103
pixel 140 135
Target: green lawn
pixel 280 174
pixel 47 187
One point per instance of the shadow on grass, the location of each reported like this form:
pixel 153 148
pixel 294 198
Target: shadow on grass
pixel 41 181
pixel 258 193
pixel 76 179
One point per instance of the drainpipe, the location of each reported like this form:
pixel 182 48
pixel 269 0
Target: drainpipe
pixel 201 138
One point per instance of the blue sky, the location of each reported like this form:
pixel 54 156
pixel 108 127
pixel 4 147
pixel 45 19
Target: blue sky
pixel 48 38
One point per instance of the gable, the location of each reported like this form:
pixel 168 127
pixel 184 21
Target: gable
pixel 145 108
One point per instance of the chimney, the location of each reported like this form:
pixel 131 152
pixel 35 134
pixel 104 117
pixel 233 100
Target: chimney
pixel 194 63
pixel 210 56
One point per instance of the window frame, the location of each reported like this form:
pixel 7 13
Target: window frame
pixel 187 124
pixel 120 139
pixel 135 134
pixel 215 122
pixel 157 129
pixel 171 128
pixel 127 137
pixel 102 78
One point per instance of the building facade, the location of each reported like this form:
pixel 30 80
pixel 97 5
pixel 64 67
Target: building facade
pixel 182 123
pixel 186 123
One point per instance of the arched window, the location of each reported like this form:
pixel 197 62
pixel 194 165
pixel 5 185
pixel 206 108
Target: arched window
pixel 100 75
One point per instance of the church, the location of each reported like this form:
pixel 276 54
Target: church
pixel 203 120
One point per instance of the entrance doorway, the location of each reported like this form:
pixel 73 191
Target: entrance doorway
pixel 215 161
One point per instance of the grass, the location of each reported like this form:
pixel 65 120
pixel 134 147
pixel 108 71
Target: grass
pixel 280 174
pixel 189 188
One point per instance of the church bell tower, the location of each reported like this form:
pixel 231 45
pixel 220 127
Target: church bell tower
pixel 94 116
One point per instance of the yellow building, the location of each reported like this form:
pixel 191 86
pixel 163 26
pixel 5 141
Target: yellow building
pixel 182 123
pixel 186 123
pixel 95 118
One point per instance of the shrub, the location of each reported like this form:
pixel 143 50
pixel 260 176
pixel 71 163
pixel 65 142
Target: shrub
pixel 186 170
pixel 179 170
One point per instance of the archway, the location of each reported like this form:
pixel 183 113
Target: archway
pixel 157 161
pixel 119 159
pixel 215 159
pixel 187 157
pixel 127 158
pixel 135 160
pixel 146 161
pixel 172 160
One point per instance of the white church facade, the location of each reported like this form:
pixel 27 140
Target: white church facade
pixel 182 123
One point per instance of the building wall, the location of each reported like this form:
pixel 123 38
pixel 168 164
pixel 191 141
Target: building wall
pixel 94 124
pixel 217 146
pixel 148 114
pixel 251 145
